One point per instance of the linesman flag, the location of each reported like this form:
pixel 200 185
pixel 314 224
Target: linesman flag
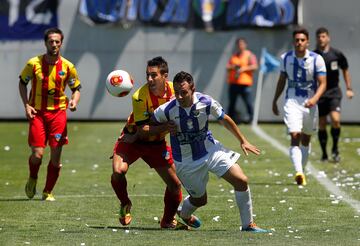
pixel 268 62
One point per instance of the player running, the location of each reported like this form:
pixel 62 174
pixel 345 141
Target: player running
pixel 132 145
pixel 305 73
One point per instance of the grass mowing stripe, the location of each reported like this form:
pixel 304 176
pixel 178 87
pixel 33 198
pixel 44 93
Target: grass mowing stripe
pixel 331 187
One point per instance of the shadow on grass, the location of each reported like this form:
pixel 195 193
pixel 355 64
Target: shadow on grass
pixel 20 199
pixel 142 228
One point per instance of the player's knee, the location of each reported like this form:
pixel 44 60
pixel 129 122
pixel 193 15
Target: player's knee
pixel 37 154
pixel 242 183
pixel 199 202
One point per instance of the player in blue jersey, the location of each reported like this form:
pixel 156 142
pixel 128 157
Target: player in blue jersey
pixel 305 73
pixel 196 152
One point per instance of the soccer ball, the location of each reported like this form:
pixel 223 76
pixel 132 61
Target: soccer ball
pixel 119 83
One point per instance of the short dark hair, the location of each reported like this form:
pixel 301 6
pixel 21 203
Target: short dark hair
pixel 183 76
pixel 322 30
pixel 240 39
pixel 159 62
pixel 53 30
pixel 301 30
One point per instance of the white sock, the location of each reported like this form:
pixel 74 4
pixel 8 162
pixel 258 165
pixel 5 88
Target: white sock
pixel 187 208
pixel 243 201
pixel 305 151
pixel 295 157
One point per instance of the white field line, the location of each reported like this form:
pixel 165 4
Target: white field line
pixel 324 181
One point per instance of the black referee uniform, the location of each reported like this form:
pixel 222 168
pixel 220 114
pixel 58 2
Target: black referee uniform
pixel 331 99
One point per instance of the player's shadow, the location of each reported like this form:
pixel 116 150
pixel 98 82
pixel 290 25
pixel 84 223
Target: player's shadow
pixel 20 199
pixel 143 228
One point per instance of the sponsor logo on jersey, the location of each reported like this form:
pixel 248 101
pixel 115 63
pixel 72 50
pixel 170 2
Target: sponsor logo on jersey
pixel 61 73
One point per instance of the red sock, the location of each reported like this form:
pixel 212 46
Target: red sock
pixel 172 201
pixel 34 168
pixel 51 177
pixel 120 187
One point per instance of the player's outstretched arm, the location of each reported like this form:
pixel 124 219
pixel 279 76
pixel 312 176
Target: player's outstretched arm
pixel 155 128
pixel 244 143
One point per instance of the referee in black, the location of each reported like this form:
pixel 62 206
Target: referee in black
pixel 330 102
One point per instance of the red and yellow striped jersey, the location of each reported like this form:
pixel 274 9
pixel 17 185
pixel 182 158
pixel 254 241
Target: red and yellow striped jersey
pixel 144 104
pixel 48 82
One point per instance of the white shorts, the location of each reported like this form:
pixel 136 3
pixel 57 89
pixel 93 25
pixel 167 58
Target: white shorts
pixel 195 176
pixel 300 119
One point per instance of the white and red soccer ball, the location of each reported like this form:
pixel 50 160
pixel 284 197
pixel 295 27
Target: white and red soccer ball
pixel 119 83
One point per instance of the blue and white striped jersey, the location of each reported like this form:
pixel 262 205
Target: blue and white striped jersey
pixel 302 73
pixel 193 140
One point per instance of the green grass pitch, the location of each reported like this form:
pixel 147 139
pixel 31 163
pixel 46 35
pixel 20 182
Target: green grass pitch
pixel 85 210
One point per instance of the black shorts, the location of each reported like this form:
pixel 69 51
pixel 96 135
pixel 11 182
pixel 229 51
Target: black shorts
pixel 327 105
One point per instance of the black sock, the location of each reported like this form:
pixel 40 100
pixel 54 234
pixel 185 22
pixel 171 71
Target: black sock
pixel 322 135
pixel 335 133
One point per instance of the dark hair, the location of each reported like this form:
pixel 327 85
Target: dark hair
pixel 240 39
pixel 160 63
pixel 53 30
pixel 322 30
pixel 183 76
pixel 301 30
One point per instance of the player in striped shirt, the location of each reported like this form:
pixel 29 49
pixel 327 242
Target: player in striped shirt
pixel 196 152
pixel 305 74
pixel 45 108
pixel 133 144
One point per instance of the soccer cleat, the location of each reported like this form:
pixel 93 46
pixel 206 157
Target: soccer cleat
pixel 48 197
pixel 125 216
pixel 335 156
pixel 30 187
pixel 255 229
pixel 300 179
pixel 173 225
pixel 193 221
pixel 324 158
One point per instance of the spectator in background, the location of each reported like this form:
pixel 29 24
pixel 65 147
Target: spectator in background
pixel 45 108
pixel 240 77
pixel 330 102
